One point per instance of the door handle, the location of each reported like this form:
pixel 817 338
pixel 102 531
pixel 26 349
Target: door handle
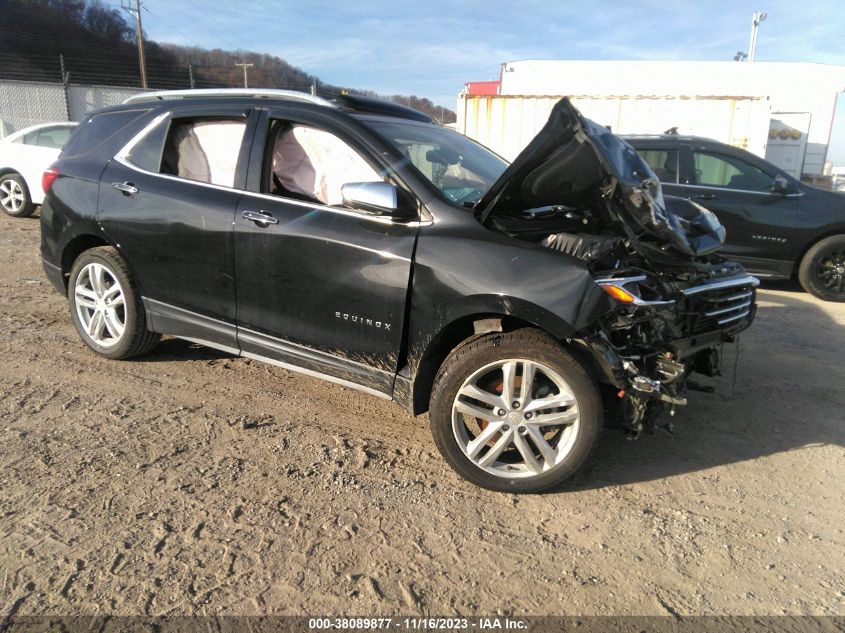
pixel 705 196
pixel 125 187
pixel 260 217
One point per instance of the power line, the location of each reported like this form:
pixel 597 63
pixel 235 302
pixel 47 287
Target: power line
pixel 170 26
pixel 206 13
pixel 194 18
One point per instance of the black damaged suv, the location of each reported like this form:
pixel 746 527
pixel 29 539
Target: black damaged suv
pixel 357 241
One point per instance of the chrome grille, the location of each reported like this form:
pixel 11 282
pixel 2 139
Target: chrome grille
pixel 730 308
pixel 724 304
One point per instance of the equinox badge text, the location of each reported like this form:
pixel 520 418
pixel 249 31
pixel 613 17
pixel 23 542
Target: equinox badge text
pixel 354 318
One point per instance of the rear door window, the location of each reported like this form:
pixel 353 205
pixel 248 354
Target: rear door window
pixel 663 162
pixel 203 150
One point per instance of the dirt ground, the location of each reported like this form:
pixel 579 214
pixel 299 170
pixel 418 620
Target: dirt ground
pixel 192 482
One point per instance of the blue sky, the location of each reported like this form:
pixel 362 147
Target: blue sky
pixel 432 48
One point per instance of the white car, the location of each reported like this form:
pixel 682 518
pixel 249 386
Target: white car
pixel 24 156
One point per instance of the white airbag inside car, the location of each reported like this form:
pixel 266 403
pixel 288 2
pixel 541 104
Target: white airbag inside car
pixel 208 151
pixel 317 164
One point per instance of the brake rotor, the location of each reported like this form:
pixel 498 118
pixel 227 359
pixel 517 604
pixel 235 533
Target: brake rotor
pixel 498 387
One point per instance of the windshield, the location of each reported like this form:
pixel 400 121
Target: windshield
pixel 460 168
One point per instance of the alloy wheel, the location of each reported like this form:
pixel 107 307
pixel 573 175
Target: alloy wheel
pixel 830 271
pixel 100 304
pixel 515 418
pixel 12 197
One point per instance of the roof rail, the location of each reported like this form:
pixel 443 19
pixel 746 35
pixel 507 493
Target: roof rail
pixel 277 93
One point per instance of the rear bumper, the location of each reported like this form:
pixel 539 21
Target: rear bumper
pixel 54 274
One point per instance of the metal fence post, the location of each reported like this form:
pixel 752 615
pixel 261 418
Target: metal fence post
pixel 65 80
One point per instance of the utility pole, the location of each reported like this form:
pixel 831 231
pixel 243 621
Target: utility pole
pixel 758 17
pixel 245 66
pixel 136 13
pixel 191 75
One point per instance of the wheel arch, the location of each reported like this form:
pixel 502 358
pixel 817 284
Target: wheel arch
pixel 75 247
pixel 425 361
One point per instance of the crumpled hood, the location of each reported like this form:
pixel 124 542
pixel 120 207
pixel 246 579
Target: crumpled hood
pixel 573 162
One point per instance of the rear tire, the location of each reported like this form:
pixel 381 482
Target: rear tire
pixel 106 307
pixel 822 270
pixel 503 435
pixel 14 196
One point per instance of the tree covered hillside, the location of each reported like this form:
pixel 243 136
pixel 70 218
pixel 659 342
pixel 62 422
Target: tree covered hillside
pixel 95 43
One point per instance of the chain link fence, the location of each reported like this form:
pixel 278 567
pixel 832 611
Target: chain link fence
pixel 25 103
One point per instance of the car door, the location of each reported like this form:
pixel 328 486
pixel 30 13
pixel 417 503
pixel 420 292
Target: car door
pixel 319 286
pixel 758 221
pixel 168 201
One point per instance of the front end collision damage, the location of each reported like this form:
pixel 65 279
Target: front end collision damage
pixel 645 351
pixel 582 244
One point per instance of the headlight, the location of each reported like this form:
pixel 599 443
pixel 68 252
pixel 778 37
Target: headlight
pixel 626 290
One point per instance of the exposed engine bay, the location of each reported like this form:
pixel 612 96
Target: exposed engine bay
pixel 674 313
pixel 582 191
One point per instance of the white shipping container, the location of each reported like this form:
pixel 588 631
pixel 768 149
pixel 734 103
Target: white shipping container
pixel 506 123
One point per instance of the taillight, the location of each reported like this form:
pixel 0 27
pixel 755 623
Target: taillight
pixel 48 178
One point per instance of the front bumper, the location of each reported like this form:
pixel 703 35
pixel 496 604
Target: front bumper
pixel 697 319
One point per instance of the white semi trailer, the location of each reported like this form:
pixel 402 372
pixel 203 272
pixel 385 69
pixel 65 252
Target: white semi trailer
pixel 506 123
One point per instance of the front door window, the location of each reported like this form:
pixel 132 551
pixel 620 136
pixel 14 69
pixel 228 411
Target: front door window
pixel 313 165
pixel 719 170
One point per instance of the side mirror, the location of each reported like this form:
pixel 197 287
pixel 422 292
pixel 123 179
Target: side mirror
pixel 381 198
pixel 782 186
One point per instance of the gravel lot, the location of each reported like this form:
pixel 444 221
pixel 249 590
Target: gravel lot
pixel 192 482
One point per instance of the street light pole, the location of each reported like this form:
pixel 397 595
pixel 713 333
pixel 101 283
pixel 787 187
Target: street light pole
pixel 758 17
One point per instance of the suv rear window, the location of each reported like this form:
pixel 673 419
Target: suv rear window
pixel 205 150
pixel 98 129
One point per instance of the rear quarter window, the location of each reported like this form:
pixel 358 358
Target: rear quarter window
pixel 97 129
pixel 146 154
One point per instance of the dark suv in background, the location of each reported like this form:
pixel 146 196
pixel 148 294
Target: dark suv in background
pixel 776 226
pixel 357 241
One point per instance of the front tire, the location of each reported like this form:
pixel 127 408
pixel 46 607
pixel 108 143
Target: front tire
pixel 14 196
pixel 514 412
pixel 106 307
pixel 822 271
